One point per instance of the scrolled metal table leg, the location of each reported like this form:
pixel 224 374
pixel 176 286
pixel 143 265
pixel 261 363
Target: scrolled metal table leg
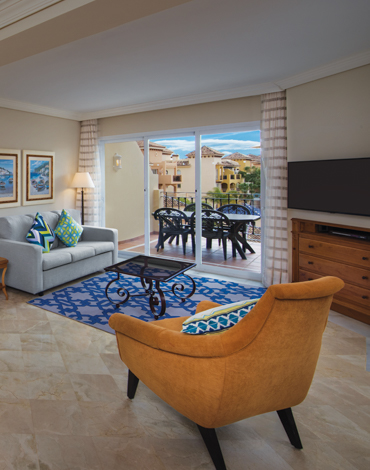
pixel 154 300
pixel 179 287
pixel 121 292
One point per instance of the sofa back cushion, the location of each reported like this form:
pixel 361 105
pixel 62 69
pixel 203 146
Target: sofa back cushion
pixel 16 227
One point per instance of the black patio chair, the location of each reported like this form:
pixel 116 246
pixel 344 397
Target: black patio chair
pixel 237 209
pixel 172 223
pixel 191 207
pixel 215 226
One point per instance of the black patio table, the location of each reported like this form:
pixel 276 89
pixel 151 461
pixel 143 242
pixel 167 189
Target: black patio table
pixel 151 270
pixel 237 221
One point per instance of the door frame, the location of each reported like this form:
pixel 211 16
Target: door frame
pixel 197 133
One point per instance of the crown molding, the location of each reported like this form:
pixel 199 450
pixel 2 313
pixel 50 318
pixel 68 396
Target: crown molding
pixel 19 16
pixel 338 66
pixel 250 90
pixel 332 68
pixel 32 108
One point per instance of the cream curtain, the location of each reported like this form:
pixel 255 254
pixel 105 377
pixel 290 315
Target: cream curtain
pixel 274 161
pixel 89 162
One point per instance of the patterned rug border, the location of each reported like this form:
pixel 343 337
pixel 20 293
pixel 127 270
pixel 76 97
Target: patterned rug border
pixel 86 303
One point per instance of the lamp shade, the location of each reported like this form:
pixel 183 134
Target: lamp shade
pixel 82 180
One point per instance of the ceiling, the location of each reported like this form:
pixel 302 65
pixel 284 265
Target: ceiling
pixel 110 57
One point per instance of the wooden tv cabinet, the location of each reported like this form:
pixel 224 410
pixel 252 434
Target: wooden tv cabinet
pixel 325 249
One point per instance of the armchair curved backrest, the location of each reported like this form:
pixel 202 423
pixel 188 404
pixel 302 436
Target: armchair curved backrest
pixel 264 363
pixel 191 207
pixel 234 209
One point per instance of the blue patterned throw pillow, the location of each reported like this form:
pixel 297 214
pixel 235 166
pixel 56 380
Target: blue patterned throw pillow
pixel 41 234
pixel 218 318
pixel 68 230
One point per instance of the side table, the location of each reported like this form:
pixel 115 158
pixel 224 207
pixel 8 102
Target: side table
pixel 4 267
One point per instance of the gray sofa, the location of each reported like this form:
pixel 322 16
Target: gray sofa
pixel 32 271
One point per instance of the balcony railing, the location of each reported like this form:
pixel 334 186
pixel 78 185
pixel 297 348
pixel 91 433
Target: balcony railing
pixel 181 200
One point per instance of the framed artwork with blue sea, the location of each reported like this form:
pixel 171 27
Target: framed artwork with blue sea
pixel 38 177
pixel 9 178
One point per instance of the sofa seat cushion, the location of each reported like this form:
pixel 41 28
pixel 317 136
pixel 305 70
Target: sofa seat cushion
pixel 99 247
pixel 56 258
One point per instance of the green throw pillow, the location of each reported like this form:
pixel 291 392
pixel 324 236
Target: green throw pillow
pixel 68 230
pixel 218 318
pixel 41 234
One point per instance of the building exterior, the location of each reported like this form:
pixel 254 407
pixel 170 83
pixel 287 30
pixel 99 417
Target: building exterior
pixel 210 159
pixel 164 164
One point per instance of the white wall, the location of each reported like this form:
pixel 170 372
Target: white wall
pixel 207 114
pixel 27 131
pixel 124 190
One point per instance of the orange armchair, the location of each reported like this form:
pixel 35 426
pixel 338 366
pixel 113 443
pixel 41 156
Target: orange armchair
pixel 264 363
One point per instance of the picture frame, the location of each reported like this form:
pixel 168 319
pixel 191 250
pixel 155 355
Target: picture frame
pixel 38 177
pixel 10 178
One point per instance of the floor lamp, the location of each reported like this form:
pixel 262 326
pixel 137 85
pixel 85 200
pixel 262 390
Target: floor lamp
pixel 82 180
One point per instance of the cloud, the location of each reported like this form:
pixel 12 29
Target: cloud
pixel 178 144
pixel 226 146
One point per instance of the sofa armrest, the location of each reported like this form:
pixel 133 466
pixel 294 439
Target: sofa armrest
pixel 24 266
pixel 101 234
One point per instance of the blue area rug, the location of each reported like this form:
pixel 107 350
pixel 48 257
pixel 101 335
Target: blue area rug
pixel 86 301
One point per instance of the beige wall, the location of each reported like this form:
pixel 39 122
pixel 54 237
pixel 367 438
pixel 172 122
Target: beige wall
pixel 124 190
pixel 27 131
pixel 330 119
pixel 207 114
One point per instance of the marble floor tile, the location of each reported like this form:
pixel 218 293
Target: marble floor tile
pixel 50 361
pixel 95 387
pixel 60 417
pixel 60 452
pixel 13 387
pixel 15 418
pixel 46 385
pixel 111 418
pixel 84 363
pixel 18 452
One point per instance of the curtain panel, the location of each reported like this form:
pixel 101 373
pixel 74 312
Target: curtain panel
pixel 274 162
pixel 89 162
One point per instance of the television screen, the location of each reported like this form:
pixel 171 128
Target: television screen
pixel 341 186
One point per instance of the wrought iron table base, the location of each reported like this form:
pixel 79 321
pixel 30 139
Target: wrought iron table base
pixel 154 291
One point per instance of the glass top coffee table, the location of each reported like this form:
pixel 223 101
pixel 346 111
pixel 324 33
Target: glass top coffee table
pixel 151 271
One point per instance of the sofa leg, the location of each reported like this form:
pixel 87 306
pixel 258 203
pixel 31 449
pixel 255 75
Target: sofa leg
pixel 287 420
pixel 40 294
pixel 132 384
pixel 210 439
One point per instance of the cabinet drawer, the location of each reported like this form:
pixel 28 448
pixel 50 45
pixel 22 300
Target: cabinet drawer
pixel 337 252
pixel 349 292
pixel 325 267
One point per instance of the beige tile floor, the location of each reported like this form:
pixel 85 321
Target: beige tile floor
pixel 63 406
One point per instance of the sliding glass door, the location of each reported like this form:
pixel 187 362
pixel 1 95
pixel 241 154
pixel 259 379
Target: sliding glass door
pixel 188 171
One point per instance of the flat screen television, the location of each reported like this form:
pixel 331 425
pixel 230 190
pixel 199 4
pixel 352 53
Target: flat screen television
pixel 340 186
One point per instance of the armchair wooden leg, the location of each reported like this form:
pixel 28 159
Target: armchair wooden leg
pixel 210 439
pixel 132 384
pixel 287 420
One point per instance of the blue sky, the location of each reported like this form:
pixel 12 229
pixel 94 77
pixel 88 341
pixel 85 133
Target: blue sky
pixel 226 143
pixel 7 165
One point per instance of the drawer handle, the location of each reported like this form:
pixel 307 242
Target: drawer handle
pixel 365 296
pixel 365 258
pixel 310 262
pixel 365 277
pixel 311 246
pixel 310 279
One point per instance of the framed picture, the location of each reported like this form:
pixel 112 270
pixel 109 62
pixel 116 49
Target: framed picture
pixel 9 178
pixel 38 177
